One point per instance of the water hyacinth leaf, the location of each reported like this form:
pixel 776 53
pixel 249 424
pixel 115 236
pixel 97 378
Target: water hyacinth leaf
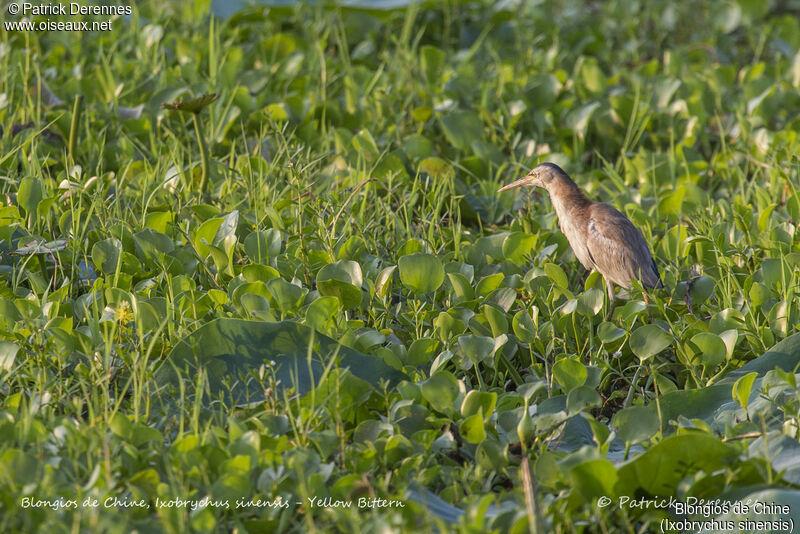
pixel 421 273
pixel 659 470
pixel 556 274
pixel 205 234
pixel 636 424
pixel 578 120
pixel 287 296
pixel 462 290
pixel 609 332
pixel 712 350
pixel 321 314
pixel 462 128
pixel 440 390
pixel 341 279
pixel 231 349
pixel 524 326
pixel 582 398
pixel 741 389
pixel 590 302
pixel 594 478
pixel 472 428
pixel 262 245
pixel 448 326
pixel 569 373
pixel 437 168
pixel 30 194
pixel 152 245
pixel 729 337
pixel 422 351
pixel 106 254
pixel 476 348
pixel 479 402
pixel 432 60
pixel 8 353
pixel 496 318
pixel 517 245
pixel 384 281
pixel 648 340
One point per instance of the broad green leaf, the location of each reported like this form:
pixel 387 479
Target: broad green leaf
pixel 30 193
pixel 712 350
pixel 636 424
pixel 569 373
pixel 648 340
pixel 440 390
pixel 106 254
pixel 524 326
pixel 478 401
pixel 341 279
pixel 741 389
pixel 262 245
pixel 462 128
pixel 422 351
pixel 421 273
pixel 231 349
pixel 472 428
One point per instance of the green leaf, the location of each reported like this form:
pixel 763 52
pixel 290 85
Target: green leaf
pixel 8 353
pixel 524 327
pixel 437 168
pixel 106 254
pixel 648 340
pixel 440 390
pixel 262 245
pixel 462 128
pixel 231 349
pixel 432 61
pixel 384 281
pixel 288 297
pixel 421 273
pixel 609 332
pixel 476 348
pixel 422 351
pixel 472 428
pixel 321 314
pixel 341 279
pixel 556 274
pixel 741 389
pixel 29 194
pixel 636 424
pixel 517 245
pixel 659 470
pixel 581 398
pixel 712 350
pixel 448 326
pixel 569 373
pixel 590 302
pixel 478 402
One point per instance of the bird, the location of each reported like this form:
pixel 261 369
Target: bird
pixel 601 237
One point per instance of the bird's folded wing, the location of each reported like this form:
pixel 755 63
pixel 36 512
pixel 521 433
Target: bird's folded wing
pixel 618 249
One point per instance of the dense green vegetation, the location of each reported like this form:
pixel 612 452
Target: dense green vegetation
pixel 186 280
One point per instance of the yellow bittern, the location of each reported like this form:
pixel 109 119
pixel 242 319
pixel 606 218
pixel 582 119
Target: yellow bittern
pixel 601 237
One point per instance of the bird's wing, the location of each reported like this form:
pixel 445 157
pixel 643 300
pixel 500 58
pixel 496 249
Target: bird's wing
pixel 618 249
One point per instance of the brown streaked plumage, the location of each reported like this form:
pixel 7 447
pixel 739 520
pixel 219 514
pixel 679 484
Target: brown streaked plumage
pixel 601 237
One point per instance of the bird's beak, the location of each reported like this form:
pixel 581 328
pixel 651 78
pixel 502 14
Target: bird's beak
pixel 529 180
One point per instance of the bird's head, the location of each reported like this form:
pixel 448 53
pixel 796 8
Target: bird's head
pixel 540 176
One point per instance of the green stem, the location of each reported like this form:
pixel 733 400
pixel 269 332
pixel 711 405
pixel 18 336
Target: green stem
pixel 73 127
pixel 201 141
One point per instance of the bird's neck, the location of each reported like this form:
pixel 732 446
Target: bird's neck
pixel 568 200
